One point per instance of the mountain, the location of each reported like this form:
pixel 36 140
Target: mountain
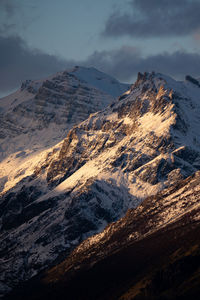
pixel 39 115
pixel 42 107
pixel 146 141
pixel 153 252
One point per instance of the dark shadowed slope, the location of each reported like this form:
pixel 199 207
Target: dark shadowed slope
pixel 144 142
pixel 151 253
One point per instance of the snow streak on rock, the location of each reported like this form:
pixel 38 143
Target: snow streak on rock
pixel 144 142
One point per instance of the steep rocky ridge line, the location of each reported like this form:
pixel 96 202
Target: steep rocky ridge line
pixel 152 252
pixel 144 142
pixel 39 115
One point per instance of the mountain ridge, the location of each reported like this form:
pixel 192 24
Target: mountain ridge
pixel 63 99
pixel 158 238
pixel 144 142
pixel 39 115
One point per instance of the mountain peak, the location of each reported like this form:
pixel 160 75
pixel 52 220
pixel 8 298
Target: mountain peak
pixel 146 141
pixel 49 106
pixel 99 80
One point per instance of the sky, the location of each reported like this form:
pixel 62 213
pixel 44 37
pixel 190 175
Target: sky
pixel 119 37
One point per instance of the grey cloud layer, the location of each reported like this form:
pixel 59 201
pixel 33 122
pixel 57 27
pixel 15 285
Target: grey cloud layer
pixel 7 11
pixel 155 18
pixel 126 62
pixel 18 62
pixel 8 6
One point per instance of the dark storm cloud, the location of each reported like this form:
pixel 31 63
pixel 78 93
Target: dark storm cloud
pixel 9 6
pixel 18 62
pixel 7 10
pixel 16 16
pixel 116 62
pixel 155 18
pixel 126 62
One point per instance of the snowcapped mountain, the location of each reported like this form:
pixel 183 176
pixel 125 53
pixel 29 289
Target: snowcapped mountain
pixel 145 142
pixel 100 80
pixel 39 115
pixel 150 253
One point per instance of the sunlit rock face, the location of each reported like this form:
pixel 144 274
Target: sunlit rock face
pixel 145 141
pixel 39 114
pixel 150 252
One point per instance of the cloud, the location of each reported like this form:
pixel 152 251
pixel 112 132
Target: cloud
pixel 16 16
pixel 7 13
pixel 126 62
pixel 155 18
pixel 18 62
pixel 115 62
pixel 8 6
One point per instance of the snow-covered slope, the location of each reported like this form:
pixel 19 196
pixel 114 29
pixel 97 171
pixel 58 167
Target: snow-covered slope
pixel 144 142
pixel 155 213
pixel 39 115
pixel 100 80
pixel 153 251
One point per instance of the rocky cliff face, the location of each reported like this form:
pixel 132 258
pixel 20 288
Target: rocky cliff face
pixel 146 141
pixel 152 252
pixel 39 114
